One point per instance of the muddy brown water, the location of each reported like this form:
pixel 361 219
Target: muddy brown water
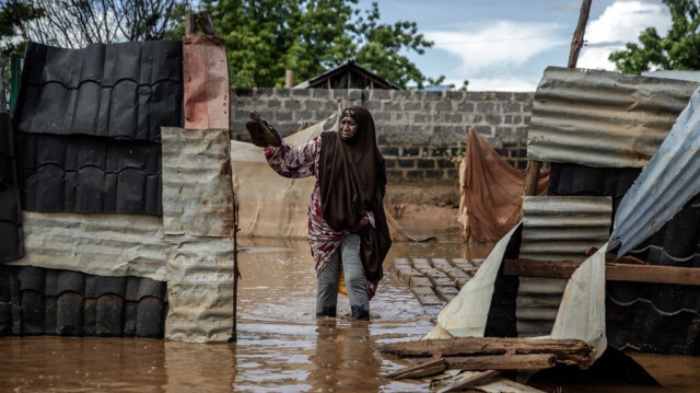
pixel 280 348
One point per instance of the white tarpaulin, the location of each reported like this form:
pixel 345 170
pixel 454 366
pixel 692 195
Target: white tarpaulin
pixel 466 314
pixel 271 205
pixel 581 314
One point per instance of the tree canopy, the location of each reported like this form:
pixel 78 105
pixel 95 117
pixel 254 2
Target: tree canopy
pixel 678 50
pixel 266 37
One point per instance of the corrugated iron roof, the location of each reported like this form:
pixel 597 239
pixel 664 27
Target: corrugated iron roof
pixel 12 243
pixel 36 301
pixel 665 185
pixel 121 91
pixel 556 228
pixel 602 119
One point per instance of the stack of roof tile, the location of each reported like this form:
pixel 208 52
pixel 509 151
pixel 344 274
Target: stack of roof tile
pixel 36 301
pixel 89 123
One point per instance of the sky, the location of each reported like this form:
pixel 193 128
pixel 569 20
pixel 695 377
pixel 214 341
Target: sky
pixel 507 44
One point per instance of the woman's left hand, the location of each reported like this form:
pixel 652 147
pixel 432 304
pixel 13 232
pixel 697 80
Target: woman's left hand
pixel 371 289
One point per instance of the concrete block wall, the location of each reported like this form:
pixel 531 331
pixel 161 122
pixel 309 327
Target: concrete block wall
pixel 421 134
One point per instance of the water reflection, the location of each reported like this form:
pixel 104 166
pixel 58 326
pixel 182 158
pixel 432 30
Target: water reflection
pixel 343 353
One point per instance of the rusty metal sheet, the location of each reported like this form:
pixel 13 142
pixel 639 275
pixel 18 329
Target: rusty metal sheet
pixel 206 96
pixel 101 244
pixel 602 119
pixel 198 224
pixel 197 185
pixel 556 228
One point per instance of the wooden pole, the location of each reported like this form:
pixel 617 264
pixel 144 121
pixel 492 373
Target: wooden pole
pixel 626 272
pixel 236 271
pixel 577 39
pixel 533 167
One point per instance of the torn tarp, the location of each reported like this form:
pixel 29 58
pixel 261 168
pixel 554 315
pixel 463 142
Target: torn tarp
pixel 490 192
pixel 665 185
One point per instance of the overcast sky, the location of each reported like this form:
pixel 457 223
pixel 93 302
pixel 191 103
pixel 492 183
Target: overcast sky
pixel 506 44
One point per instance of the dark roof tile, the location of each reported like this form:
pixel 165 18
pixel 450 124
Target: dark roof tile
pixel 121 91
pixel 59 306
pixel 90 175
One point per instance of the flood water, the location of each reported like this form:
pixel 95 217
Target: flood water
pixel 281 347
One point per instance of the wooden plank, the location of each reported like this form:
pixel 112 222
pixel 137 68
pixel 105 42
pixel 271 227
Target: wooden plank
pixel 467 346
pixel 533 362
pixel 422 370
pixel 628 272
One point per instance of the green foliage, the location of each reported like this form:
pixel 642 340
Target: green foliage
pixel 678 50
pixel 265 37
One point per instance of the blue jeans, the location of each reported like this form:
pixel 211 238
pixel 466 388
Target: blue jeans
pixel 348 254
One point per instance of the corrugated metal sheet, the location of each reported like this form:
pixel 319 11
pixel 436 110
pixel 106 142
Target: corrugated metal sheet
pixel 207 87
pixel 121 91
pixel 665 185
pixel 197 185
pixel 602 119
pixel 84 174
pixel 12 243
pixel 197 220
pixel 556 228
pixel 102 244
pixel 58 302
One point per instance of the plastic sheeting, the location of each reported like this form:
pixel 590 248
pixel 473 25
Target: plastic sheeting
pixel 581 314
pixel 467 313
pixel 665 185
pixel 269 204
pixel 12 244
pixel 582 310
pixel 490 191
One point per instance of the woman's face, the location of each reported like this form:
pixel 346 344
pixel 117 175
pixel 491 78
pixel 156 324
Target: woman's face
pixel 348 127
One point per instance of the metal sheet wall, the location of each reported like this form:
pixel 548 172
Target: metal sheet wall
pixel 602 119
pixel 556 228
pixel 198 225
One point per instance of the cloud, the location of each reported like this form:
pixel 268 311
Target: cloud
pixel 620 22
pixel 502 43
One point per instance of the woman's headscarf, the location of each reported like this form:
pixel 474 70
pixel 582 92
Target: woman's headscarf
pixel 353 181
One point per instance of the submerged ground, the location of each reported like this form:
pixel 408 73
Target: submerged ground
pixel 280 348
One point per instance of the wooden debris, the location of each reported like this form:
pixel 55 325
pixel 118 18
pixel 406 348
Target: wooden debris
pixel 467 380
pixel 571 352
pixel 534 362
pixel 428 369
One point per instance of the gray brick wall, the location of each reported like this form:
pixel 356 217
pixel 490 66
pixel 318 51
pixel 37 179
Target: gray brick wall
pixel 420 133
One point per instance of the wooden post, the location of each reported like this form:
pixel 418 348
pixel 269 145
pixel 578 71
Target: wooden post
pixel 533 167
pixel 577 39
pixel 288 79
pixel 236 271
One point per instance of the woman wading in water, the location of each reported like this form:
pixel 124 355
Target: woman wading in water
pixel 347 225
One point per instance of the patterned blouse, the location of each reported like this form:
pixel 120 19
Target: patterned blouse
pixel 303 161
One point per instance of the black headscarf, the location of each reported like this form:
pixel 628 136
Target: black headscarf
pixel 353 181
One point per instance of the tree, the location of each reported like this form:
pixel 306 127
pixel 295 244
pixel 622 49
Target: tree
pixel 78 23
pixel 678 50
pixel 266 37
